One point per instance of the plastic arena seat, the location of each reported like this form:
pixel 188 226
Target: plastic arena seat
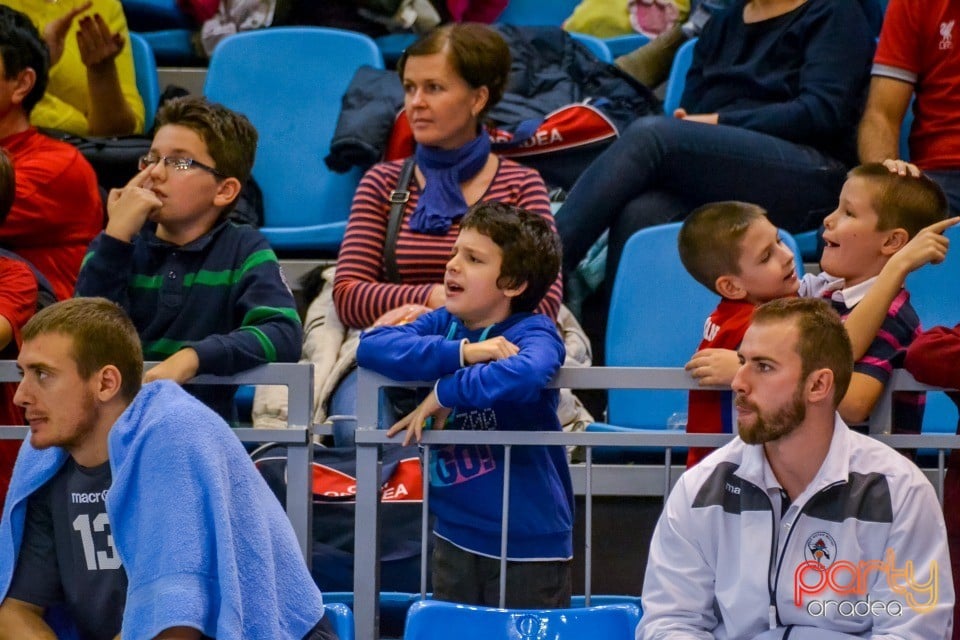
pixel 678 76
pixel 289 81
pixel 148 84
pixel 436 620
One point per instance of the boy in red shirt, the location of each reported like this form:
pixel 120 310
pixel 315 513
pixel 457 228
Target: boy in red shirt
pixel 732 249
pixel 18 302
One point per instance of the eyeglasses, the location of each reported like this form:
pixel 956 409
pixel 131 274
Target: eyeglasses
pixel 179 163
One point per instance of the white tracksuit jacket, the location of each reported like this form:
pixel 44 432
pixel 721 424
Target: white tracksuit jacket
pixel 851 557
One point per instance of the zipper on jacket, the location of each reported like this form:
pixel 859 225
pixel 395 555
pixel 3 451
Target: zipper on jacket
pixel 774 614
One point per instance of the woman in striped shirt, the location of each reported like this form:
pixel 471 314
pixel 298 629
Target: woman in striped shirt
pixel 451 78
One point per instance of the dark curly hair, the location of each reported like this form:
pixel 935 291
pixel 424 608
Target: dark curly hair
pixel 531 249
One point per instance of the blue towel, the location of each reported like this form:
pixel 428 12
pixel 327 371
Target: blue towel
pixel 204 542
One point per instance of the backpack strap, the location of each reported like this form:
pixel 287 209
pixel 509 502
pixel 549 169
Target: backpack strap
pixel 45 293
pixel 398 200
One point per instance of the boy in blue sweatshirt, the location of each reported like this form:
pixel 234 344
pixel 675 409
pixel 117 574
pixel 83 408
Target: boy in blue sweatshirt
pixel 206 294
pixel 492 358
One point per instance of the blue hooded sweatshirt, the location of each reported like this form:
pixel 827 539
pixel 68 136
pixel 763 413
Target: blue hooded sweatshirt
pixel 466 482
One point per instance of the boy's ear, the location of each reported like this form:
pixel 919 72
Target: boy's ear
pixel 513 292
pixel 730 287
pixel 896 239
pixel 228 190
pixel 25 81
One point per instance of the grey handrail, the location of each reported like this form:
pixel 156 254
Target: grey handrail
pixel 369 441
pixel 298 378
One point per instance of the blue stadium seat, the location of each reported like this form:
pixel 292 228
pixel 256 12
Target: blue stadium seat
pixel 289 81
pixel 145 68
pixel 678 76
pixel 809 244
pixel 172 47
pixel 166 28
pixel 393 45
pixel 622 45
pixel 436 620
pixel 930 290
pixel 577 602
pixel 596 46
pixel 657 311
pixel 153 15
pixel 537 13
pixel 393 606
pixel 341 618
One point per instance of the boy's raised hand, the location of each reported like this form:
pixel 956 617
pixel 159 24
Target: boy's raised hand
pixel 129 207
pixel 414 421
pixel 929 246
pixel 713 366
pixel 489 350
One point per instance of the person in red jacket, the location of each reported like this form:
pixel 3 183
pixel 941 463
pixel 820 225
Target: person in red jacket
pixel 932 358
pixel 57 209
pixel 18 301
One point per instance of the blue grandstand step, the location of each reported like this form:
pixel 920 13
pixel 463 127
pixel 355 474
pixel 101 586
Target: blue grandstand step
pixel 155 15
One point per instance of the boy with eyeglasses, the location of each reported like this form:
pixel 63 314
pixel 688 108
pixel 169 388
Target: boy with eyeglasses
pixel 207 295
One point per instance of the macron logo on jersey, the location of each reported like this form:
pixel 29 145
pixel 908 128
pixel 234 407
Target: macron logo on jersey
pixel 95 497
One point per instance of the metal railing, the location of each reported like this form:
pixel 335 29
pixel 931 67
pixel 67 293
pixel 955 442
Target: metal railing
pixel 298 378
pixel 369 441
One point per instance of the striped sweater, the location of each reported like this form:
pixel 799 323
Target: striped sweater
pixel 360 290
pixel 222 294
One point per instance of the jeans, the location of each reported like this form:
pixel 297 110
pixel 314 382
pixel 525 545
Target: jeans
pixel 661 168
pixel 949 181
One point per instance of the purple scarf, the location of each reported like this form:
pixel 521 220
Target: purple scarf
pixel 443 170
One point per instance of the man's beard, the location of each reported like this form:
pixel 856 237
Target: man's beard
pixel 769 427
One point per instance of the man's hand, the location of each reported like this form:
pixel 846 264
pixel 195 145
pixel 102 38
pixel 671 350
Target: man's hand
pixel 129 207
pixel 705 118
pixel 179 367
pixel 902 167
pixel 929 246
pixel 489 350
pixel 414 421
pixel 97 45
pixel 713 366
pixel 55 31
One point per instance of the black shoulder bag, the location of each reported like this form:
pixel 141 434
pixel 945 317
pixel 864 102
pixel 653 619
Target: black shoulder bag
pixel 398 200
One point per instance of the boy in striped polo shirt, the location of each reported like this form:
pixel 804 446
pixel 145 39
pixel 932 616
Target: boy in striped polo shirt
pixel 207 295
